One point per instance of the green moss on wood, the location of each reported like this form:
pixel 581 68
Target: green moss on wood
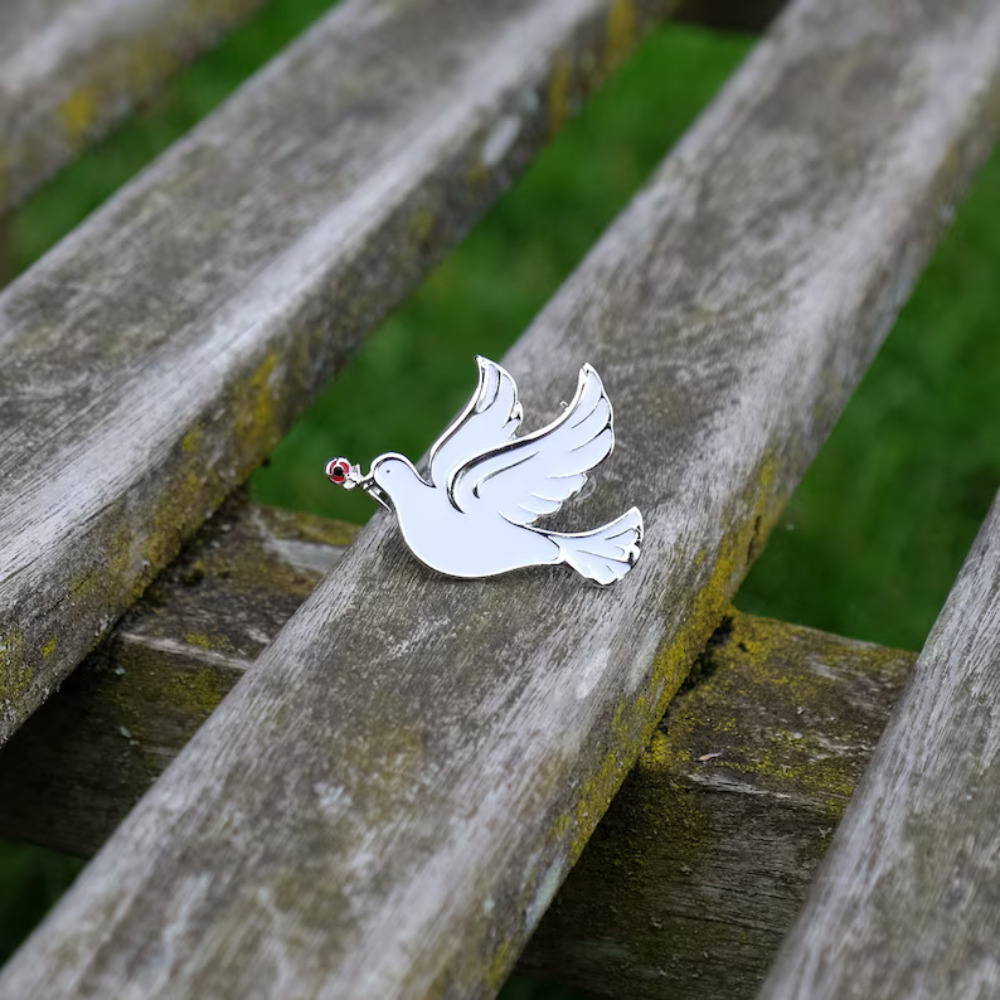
pixel 16 674
pixel 785 708
pixel 218 643
pixel 699 867
pixel 633 725
pixel 623 32
pixel 192 440
pixel 195 693
pixel 309 528
pixel 559 93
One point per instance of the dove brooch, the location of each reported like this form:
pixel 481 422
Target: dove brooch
pixel 476 516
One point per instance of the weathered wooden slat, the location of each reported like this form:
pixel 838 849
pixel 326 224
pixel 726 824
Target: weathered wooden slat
pixel 906 903
pixel 70 776
pixel 701 864
pixel 69 69
pixel 688 883
pixel 387 801
pixel 155 356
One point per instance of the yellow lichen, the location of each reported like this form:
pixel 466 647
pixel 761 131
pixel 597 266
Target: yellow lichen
pixel 219 643
pixel 195 693
pixel 328 532
pixel 178 511
pixel 421 226
pixel 499 966
pixel 192 440
pixel 255 413
pixel 808 741
pixel 749 521
pixel 262 425
pixel 100 584
pixel 15 674
pixel 622 32
pixel 560 85
pixel 78 114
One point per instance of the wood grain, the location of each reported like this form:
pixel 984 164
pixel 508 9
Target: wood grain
pixel 154 357
pixel 705 857
pixel 70 776
pixel 387 801
pixel 688 883
pixel 70 69
pixel 906 904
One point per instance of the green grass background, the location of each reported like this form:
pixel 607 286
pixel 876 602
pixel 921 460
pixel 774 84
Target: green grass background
pixel 872 540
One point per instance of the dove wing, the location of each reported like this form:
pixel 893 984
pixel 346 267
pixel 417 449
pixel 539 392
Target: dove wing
pixel 534 475
pixel 491 418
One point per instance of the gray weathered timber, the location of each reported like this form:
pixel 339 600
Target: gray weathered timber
pixel 70 776
pixel 687 885
pixel 387 801
pixel 154 357
pixel 691 878
pixel 907 903
pixel 701 864
pixel 69 69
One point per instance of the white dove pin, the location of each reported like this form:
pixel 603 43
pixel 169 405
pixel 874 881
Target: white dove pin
pixel 476 517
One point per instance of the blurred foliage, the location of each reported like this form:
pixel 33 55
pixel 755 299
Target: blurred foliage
pixel 31 880
pixel 871 541
pixel 883 520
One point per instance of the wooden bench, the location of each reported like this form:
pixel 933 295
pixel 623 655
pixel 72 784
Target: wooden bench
pixel 758 702
pixel 405 770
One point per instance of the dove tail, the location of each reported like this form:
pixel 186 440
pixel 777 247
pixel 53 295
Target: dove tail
pixel 605 554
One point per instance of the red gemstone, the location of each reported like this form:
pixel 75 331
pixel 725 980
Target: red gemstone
pixel 338 470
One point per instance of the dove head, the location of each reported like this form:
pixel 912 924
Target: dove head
pixel 395 475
